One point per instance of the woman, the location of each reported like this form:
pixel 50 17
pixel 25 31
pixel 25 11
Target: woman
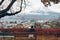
pixel 31 36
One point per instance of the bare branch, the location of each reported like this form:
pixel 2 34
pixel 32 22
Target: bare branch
pixel 4 12
pixel 1 2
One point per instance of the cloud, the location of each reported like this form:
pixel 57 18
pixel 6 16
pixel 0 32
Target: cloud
pixel 37 6
pixel 55 8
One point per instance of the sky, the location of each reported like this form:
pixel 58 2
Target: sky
pixel 37 5
pixel 34 7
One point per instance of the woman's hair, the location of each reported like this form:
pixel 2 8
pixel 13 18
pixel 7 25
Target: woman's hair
pixel 32 27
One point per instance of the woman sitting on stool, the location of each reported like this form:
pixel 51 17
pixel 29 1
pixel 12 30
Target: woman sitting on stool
pixel 32 35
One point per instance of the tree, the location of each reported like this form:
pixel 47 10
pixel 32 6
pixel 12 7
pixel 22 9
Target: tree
pixel 1 2
pixel 37 25
pixel 48 2
pixel 4 12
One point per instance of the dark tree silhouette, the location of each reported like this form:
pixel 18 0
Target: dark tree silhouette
pixel 1 2
pixel 4 12
pixel 47 2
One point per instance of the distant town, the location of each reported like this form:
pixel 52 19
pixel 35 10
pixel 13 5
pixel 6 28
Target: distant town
pixel 49 23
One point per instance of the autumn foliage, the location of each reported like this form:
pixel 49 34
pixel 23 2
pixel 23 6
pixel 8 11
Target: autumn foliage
pixel 39 31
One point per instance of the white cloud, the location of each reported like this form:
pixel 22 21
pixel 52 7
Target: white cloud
pixel 37 5
pixel 55 8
